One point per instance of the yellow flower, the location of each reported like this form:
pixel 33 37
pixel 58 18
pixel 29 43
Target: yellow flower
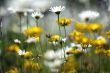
pixel 64 21
pixel 99 51
pixel 70 65
pixel 81 26
pixel 108 34
pixel 73 51
pixel 94 27
pixel 27 54
pixel 85 40
pixel 13 70
pixel 33 31
pixel 99 42
pixel 31 65
pixel 13 48
pixel 54 38
pixel 76 36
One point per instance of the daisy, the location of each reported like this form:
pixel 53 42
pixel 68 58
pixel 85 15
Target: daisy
pixel 32 40
pixel 57 9
pixel 88 15
pixel 37 15
pixel 21 52
pixel 17 41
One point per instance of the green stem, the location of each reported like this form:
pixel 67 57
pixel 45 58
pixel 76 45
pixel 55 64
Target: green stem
pixel 20 18
pixel 59 25
pixel 27 20
pixel 37 24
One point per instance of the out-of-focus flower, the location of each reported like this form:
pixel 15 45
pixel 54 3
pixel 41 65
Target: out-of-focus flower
pixel 17 41
pixel 100 41
pixel 54 38
pixel 57 9
pixel 99 50
pixel 31 65
pixel 64 21
pixel 71 65
pixel 33 40
pixel 53 65
pixel 81 26
pixel 88 15
pixel 21 52
pixel 94 27
pixel 37 15
pixel 108 34
pixel 50 54
pixel 27 54
pixel 33 31
pixel 13 70
pixel 76 36
pixel 13 48
pixel 107 52
pixel 73 51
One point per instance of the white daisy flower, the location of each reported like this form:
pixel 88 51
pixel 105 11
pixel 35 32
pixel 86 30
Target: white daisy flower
pixel 32 40
pixel 37 15
pixel 57 9
pixel 17 41
pixel 21 52
pixel 88 15
pixel 50 54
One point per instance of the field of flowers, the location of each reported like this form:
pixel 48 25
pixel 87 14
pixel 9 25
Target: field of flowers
pixel 34 50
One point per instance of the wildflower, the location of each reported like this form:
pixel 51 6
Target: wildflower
pixel 100 41
pixel 70 65
pixel 33 40
pixel 76 36
pixel 13 70
pixel 73 51
pixel 13 48
pixel 88 15
pixel 37 15
pixel 27 54
pixel 21 52
pixel 31 65
pixel 17 41
pixel 81 26
pixel 54 38
pixel 57 9
pixel 94 27
pixel 108 34
pixel 99 50
pixel 33 31
pixel 64 21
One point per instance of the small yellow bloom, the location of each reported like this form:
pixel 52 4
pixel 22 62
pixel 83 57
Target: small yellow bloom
pixel 85 40
pixel 13 70
pixel 33 31
pixel 73 51
pixel 94 27
pixel 99 51
pixel 108 34
pixel 13 48
pixel 99 42
pixel 54 38
pixel 76 36
pixel 70 65
pixel 81 26
pixel 31 65
pixel 64 21
pixel 27 54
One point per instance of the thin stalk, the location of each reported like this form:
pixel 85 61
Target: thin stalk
pixel 20 18
pixel 27 20
pixel 40 44
pixel 59 25
pixel 1 29
pixel 37 24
